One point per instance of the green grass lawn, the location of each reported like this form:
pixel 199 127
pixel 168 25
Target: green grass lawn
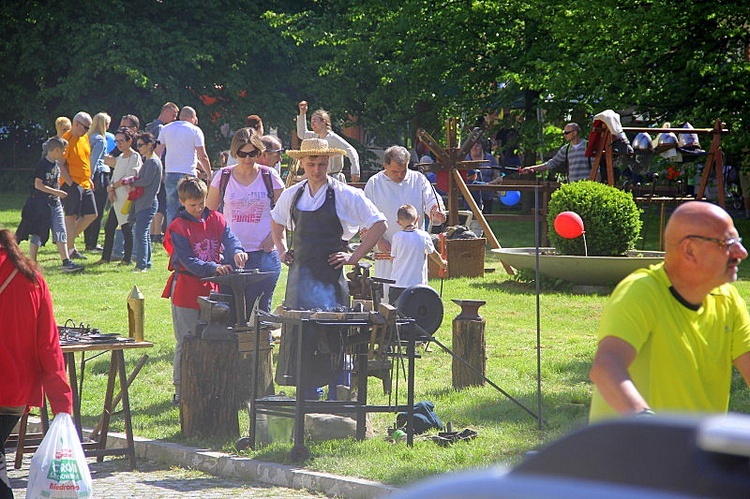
pixel 568 325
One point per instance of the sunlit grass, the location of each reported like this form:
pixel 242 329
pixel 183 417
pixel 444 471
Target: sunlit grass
pixel 568 324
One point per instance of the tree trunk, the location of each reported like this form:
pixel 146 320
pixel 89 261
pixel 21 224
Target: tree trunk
pixel 208 389
pixel 469 344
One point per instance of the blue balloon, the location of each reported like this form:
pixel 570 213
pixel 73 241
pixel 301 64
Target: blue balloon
pixel 110 141
pixel 509 198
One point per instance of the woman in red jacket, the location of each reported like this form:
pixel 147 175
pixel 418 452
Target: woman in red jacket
pixel 31 361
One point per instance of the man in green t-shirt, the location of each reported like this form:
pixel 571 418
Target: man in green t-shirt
pixel 669 335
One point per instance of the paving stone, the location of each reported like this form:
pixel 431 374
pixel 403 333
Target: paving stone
pixel 111 479
pixel 168 469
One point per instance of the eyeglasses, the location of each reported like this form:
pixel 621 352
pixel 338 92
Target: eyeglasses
pixel 141 145
pixel 85 127
pixel 722 243
pixel 568 132
pixel 248 154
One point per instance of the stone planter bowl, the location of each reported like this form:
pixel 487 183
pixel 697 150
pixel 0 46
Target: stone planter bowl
pixel 580 270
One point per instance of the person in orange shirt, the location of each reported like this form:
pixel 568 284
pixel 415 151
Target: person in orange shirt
pixel 75 173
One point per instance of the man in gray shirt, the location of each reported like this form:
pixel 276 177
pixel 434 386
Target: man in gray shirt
pixel 571 157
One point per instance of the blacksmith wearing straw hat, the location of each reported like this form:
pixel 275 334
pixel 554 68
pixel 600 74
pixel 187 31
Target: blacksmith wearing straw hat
pixel 324 215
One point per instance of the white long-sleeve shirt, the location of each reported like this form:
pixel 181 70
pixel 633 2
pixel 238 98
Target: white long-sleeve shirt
pixel 354 210
pixel 336 164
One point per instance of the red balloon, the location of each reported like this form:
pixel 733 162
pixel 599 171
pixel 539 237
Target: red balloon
pixel 569 225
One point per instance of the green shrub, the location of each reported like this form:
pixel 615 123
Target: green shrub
pixel 610 217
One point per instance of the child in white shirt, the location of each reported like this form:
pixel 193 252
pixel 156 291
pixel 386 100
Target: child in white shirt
pixel 410 248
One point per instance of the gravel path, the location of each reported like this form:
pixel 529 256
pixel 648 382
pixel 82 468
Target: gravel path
pixel 113 480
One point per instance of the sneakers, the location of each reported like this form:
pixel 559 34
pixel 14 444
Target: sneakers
pixel 70 267
pixel 76 255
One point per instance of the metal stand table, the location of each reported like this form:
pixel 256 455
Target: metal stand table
pixel 299 407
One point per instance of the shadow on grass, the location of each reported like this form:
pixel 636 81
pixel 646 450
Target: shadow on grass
pixel 158 414
pixel 548 286
pixel 99 365
pixel 489 406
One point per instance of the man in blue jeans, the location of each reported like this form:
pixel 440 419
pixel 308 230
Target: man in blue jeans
pixel 185 157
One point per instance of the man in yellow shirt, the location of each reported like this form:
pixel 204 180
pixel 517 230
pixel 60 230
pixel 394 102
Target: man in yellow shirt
pixel 669 335
pixel 75 177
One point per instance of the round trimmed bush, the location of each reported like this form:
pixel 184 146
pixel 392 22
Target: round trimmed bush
pixel 611 218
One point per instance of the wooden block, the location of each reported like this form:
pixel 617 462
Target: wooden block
pixel 208 394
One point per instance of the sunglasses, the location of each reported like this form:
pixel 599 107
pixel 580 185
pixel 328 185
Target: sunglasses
pixel 248 154
pixel 568 132
pixel 141 145
pixel 85 127
pixel 722 243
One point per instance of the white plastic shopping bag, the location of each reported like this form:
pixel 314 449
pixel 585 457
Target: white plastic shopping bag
pixel 58 468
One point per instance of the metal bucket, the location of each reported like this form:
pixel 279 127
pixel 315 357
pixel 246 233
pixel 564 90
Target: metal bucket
pixel 272 426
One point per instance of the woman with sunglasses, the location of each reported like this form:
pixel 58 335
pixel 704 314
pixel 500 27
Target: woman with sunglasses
pixel 144 206
pixel 247 192
pixel 127 164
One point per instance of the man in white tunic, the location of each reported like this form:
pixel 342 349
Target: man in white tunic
pixel 395 186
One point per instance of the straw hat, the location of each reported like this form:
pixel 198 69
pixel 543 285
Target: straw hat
pixel 315 147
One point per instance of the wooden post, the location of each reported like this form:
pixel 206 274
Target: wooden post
pixel 208 388
pixel 469 345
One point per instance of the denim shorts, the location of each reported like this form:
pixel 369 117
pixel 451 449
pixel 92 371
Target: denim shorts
pixel 57 219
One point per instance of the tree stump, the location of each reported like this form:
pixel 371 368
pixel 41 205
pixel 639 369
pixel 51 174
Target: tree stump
pixel 469 344
pixel 208 389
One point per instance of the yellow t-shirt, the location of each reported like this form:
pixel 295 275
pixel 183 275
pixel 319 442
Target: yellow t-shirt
pixel 77 156
pixel 684 360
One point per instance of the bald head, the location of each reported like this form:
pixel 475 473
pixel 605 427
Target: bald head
pixel 697 218
pixel 187 113
pixel 272 153
pixel 271 142
pixel 703 249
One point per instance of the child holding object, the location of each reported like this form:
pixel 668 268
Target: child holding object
pixel 43 210
pixel 194 242
pixel 410 248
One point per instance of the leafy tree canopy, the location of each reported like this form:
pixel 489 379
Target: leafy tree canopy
pixel 395 65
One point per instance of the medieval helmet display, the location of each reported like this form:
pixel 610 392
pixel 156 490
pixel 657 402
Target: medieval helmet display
pixel 688 140
pixel 643 142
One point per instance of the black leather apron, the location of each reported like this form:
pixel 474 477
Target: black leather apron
pixel 313 283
